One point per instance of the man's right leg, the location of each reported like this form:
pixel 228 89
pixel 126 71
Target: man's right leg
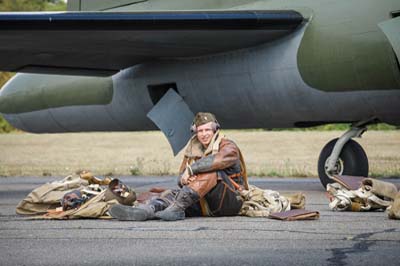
pixel 189 195
pixel 143 212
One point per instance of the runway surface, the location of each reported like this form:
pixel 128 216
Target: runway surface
pixel 337 238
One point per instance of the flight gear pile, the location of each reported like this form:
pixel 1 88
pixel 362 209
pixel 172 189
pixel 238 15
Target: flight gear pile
pixel 76 196
pixel 259 202
pixel 363 194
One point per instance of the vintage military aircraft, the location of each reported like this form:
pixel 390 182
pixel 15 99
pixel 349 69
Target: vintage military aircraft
pixel 132 65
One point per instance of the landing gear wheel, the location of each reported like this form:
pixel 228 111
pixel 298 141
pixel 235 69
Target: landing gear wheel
pixel 352 161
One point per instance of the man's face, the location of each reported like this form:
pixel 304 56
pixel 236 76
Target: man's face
pixel 205 133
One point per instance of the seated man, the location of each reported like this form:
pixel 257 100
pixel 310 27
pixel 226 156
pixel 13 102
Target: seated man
pixel 211 174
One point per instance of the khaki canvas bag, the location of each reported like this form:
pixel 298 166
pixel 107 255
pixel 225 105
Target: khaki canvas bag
pixel 261 203
pixel 45 200
pixel 48 196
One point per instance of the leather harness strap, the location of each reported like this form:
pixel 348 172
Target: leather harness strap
pixel 236 185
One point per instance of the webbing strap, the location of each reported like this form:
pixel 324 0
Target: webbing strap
pixel 244 171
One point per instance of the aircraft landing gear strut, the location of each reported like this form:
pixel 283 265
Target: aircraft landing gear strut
pixel 344 156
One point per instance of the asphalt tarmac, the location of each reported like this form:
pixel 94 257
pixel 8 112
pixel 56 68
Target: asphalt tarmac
pixel 337 238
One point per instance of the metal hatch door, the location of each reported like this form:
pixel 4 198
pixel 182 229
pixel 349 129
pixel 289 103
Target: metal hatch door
pixel 391 28
pixel 173 117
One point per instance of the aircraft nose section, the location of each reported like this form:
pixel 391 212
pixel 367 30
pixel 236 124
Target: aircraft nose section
pixel 26 100
pixel 34 92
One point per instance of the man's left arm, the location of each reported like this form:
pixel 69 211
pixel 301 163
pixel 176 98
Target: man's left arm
pixel 227 156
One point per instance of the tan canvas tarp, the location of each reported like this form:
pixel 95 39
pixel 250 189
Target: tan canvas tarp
pixel 48 196
pixel 44 202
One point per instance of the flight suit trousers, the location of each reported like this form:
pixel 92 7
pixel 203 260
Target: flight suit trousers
pixel 218 196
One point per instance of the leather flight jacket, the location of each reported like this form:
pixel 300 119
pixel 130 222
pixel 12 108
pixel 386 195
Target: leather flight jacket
pixel 220 172
pixel 222 154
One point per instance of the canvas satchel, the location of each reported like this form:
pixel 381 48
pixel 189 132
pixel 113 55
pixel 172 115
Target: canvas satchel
pixel 48 196
pixel 260 203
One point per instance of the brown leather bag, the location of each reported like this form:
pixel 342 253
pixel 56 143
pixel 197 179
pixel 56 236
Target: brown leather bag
pixel 295 215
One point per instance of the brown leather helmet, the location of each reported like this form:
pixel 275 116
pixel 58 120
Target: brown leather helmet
pixel 202 118
pixel 72 200
pixel 121 192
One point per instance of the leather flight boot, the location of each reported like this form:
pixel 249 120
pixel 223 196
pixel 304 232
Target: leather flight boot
pixel 176 211
pixel 142 212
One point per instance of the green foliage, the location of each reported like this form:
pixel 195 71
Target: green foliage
pixel 338 127
pixel 343 127
pixel 5 127
pixel 22 5
pixel 328 127
pixel 56 6
pixel 137 168
pixel 32 5
pixel 382 126
pixel 4 77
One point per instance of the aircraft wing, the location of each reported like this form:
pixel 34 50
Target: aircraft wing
pixel 103 43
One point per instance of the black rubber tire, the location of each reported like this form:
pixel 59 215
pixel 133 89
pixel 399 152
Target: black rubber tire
pixel 355 161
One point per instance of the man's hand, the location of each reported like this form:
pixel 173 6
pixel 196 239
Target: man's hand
pixel 186 179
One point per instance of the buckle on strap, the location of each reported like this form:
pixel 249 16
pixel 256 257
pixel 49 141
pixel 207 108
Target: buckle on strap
pixel 236 185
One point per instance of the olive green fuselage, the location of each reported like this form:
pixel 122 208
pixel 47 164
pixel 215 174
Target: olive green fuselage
pixel 343 49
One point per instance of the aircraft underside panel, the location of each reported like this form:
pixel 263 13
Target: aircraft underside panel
pixel 259 87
